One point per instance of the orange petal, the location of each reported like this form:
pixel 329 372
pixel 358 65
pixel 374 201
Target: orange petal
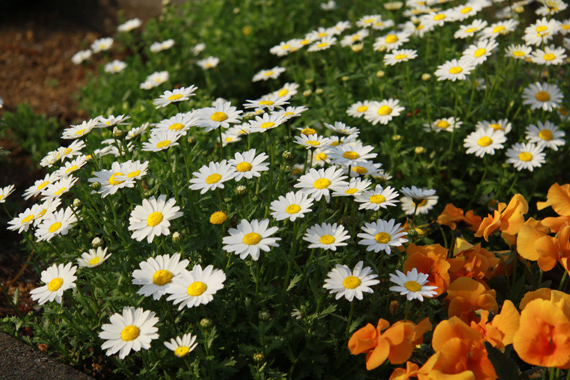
pixel 375 358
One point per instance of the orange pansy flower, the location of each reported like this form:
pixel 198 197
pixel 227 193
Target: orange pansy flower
pixel 544 336
pixel 460 354
pixel 411 370
pixel 452 215
pixel 551 250
pixel 544 294
pixel 530 232
pixel 395 344
pixel 432 260
pixel 475 262
pixel 556 223
pixel 558 198
pixel 501 330
pixel 467 296
pixel 508 219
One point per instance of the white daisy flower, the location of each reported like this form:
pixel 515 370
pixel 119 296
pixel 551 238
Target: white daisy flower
pixel 545 135
pixel 212 176
pixel 157 47
pixel 466 31
pixel 312 141
pixel 499 28
pixel 412 285
pixel 230 137
pixel 57 223
pixel 249 238
pixel 93 258
pixel 445 124
pixel 81 56
pixel 435 19
pixel 182 346
pixel 102 44
pixel 368 21
pixel 129 25
pixel 551 55
pixel 155 79
pixel 267 102
pixel 78 131
pixel 57 279
pixel 484 141
pixel 291 206
pixel 541 31
pixel 342 128
pixel 179 123
pixel 110 181
pixel 349 284
pixel 354 38
pixel 358 109
pixel 391 41
pixel 249 165
pixel 46 208
pixel 153 218
pixel 266 122
pixel 161 140
pixel 326 236
pixel 132 171
pixel 550 7
pixel 24 219
pixel 382 24
pixel 319 183
pixel 198 48
pixel 382 235
pixel 74 149
pixel 463 12
pixel 177 95
pixel 287 91
pixel 282 49
pixel 156 273
pixel 39 185
pixel 268 74
pixel 57 189
pixel 115 67
pixel 382 112
pixel 208 63
pixel 348 140
pixel 480 51
pixel 564 27
pixel 455 70
pixel 320 33
pixel 111 121
pixel 525 156
pixel 397 56
pixel 423 207
pixel 378 198
pixel 323 44
pixel 502 125
pixel 221 115
pixel 354 188
pixel 363 168
pixel 196 287
pixel 132 330
pixel 518 51
pixel 71 167
pixel 542 95
pixel 417 193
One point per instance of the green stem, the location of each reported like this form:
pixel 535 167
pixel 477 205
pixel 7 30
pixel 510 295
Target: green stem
pixel 221 144
pixel 349 321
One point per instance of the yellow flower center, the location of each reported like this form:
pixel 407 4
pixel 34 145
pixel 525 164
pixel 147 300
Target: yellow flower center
pixel 54 227
pixel 213 178
pixel 466 10
pixel 27 219
pixel 455 70
pixel 442 124
pixel 360 170
pixel 43 185
pixel 525 156
pixel 113 181
pixel 327 239
pixel 71 169
pixel 542 96
pixel 322 34
pixel 351 191
pixel 351 282
pixel 181 351
pixel 321 183
pixel 175 97
pixel 154 219
pixel 485 141
pixel 176 127
pixel 131 332
pixel 268 124
pixel 438 17
pixel 243 167
pixel 565 26
pixel 197 288
pixel 422 203
pixel 282 92
pixel 470 30
pixel 308 131
pixel 335 143
pixel 480 52
pixel 401 56
pixel 321 157
pixel 377 198
pixel 499 29
pixel 293 209
pixel 313 142
pixel 229 139
pixel 67 151
pixel 55 284
pixel 362 109
pixel 549 57
pixel 322 45
pixel 252 238
pixel 541 28
pixel 80 132
pixel 384 110
pixel 391 38
pixel 42 213
pixel 60 191
pixel 94 261
pixel 134 174
pixel 285 47
pixel 496 126
pixel 162 277
pixel 163 144
pixel 382 238
pixel 413 286
pixel 545 134
pixel 266 102
pixel 218 217
pixel 518 53
pixel 218 116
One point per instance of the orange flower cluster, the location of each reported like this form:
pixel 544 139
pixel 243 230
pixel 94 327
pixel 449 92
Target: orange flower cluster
pixel 452 215
pixel 508 219
pixel 395 344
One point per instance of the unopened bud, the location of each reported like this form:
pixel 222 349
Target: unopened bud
pixel 96 242
pixel 426 77
pixel 191 140
pixel 519 9
pixel 76 203
pixel 307 93
pixel 309 80
pixel 96 186
pixel 380 74
pixel 205 323
pixel 412 233
pixel 258 357
pixel 345 79
pixel 241 190
pixel 419 150
pixel 236 11
pixel 148 193
pixel 319 91
pixel 287 155
pixel 357 48
pixel 396 137
pixel 218 217
pixel 117 133
pixel 176 237
pixel 264 315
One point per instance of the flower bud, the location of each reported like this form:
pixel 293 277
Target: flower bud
pixel 426 77
pixel 345 79
pixel 357 48
pixel 258 357
pixel 264 315
pixel 96 186
pixel 76 203
pixel 218 217
pixel 307 93
pixel 419 150
pixel 319 91
pixel 396 137
pixel 380 74
pixel 241 190
pixel 205 323
pixel 191 140
pixel 117 133
pixel 96 242
pixel 176 237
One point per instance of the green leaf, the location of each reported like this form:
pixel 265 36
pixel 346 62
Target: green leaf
pixel 294 281
pixel 504 366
